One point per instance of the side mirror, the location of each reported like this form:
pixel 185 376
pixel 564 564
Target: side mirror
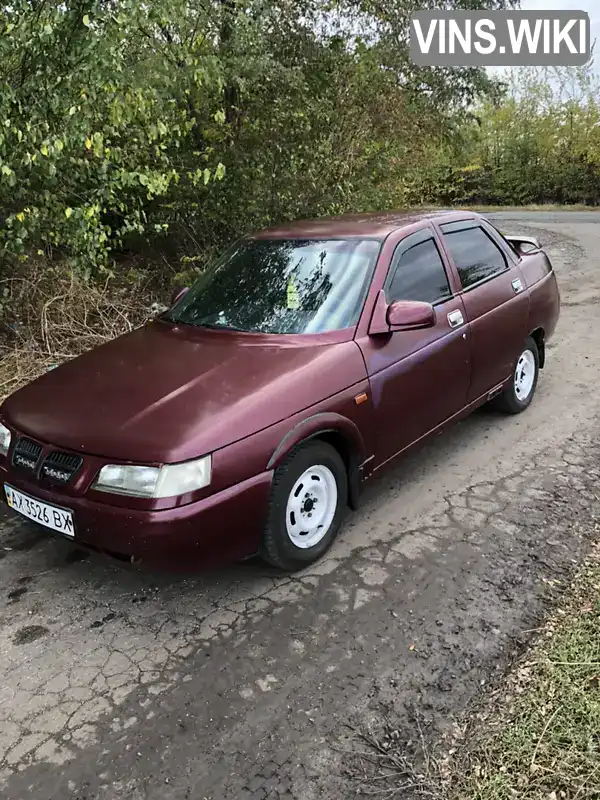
pixel 524 244
pixel 178 293
pixel 410 314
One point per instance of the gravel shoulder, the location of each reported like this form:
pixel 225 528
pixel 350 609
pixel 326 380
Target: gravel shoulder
pixel 241 683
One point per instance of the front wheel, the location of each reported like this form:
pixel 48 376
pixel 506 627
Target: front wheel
pixel 519 393
pixel 308 499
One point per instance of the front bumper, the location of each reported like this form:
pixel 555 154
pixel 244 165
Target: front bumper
pixel 220 528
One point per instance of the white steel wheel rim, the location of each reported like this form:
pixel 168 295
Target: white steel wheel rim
pixel 311 506
pixel 524 375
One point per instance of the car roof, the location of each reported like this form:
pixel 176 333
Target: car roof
pixel 375 225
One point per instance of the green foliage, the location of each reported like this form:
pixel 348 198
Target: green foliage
pixel 95 138
pixel 541 144
pixel 177 125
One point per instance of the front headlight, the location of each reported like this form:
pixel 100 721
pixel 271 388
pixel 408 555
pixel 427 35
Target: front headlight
pixel 169 480
pixel 5 437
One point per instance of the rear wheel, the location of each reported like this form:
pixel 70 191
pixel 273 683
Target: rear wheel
pixel 306 508
pixel 517 396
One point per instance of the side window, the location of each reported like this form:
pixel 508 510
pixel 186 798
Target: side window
pixel 418 274
pixel 475 255
pixel 510 246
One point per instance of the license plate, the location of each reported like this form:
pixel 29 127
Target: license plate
pixel 58 519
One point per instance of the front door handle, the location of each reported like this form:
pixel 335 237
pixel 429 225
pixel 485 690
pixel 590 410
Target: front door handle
pixel 455 318
pixel 517 285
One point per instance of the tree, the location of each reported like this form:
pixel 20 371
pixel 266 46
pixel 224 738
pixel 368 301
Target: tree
pixel 121 122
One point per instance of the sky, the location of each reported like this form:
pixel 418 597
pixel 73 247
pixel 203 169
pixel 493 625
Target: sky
pixel 591 6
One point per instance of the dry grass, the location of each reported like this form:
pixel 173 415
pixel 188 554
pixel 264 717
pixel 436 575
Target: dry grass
pixel 539 738
pixel 51 316
pixel 489 209
pixel 386 764
pixel 549 207
pixel 536 737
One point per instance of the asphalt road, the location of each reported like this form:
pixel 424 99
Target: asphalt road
pixel 241 683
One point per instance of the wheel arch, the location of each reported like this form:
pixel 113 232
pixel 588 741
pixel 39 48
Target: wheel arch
pixel 339 432
pixel 539 337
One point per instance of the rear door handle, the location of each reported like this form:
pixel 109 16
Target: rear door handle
pixel 517 285
pixel 455 318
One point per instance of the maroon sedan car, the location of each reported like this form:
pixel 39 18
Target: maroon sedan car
pixel 246 418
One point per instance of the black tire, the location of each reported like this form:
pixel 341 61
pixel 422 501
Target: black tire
pixel 277 548
pixel 509 401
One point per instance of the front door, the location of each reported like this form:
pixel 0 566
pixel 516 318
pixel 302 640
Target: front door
pixel 418 378
pixel 496 302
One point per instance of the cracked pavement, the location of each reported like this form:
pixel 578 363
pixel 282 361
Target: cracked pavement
pixel 242 683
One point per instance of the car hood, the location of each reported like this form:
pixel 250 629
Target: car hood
pixel 167 393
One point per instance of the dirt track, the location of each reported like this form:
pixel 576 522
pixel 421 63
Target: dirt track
pixel 239 683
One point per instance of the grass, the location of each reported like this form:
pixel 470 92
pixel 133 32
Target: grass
pixel 50 316
pixel 540 737
pixel 536 737
pixel 531 207
pixel 488 209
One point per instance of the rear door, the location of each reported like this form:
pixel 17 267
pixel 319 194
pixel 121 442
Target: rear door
pixel 419 378
pixel 495 297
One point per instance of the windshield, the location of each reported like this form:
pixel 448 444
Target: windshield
pixel 282 286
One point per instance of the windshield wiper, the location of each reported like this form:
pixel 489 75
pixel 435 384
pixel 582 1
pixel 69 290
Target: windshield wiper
pixel 211 325
pixel 215 326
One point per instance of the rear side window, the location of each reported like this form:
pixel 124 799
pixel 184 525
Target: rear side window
pixel 510 246
pixel 476 256
pixel 418 274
